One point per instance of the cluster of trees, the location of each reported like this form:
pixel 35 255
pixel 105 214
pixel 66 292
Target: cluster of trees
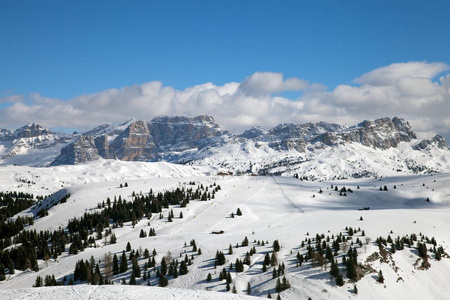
pixel 282 285
pixel 32 245
pixel 50 280
pixel 90 271
pixel 14 202
pixel 410 241
pixel 43 207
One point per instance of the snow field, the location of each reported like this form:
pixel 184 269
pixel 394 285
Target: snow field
pixel 281 208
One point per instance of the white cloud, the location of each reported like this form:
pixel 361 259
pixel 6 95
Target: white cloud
pixel 261 83
pixel 390 74
pixel 11 99
pixel 408 90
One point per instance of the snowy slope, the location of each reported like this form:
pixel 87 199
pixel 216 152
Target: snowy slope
pixel 116 292
pixel 45 181
pixel 281 208
pixel 344 160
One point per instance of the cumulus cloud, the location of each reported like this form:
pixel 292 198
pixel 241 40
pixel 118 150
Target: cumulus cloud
pixel 390 74
pixel 261 83
pixel 409 90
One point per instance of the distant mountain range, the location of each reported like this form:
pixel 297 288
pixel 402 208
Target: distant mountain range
pixel 382 146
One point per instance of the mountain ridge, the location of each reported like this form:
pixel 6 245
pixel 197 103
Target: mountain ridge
pixel 198 140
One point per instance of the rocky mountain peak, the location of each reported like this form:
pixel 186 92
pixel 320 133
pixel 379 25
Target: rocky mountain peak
pixel 437 141
pixel 254 132
pixel 30 130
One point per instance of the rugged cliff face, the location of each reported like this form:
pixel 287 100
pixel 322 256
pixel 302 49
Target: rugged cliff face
pixel 437 140
pixel 382 133
pixel 290 136
pixel 79 151
pixel 16 146
pixel 200 140
pixel 134 143
pixel 143 141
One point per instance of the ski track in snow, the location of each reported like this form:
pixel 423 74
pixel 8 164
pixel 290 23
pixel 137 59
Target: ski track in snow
pixel 273 208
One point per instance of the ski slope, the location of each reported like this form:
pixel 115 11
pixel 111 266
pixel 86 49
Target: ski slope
pixel 274 208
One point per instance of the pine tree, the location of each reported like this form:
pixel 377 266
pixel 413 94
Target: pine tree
pixel 163 281
pixel 183 268
pixel 38 282
pixel 351 269
pixel 163 266
pixel 123 263
pixel 380 277
pixel 278 287
pixel 2 272
pixel 334 270
pixel 276 246
pixel 132 279
pixel 113 239
pixel 208 278
pixel 340 280
pixel 249 289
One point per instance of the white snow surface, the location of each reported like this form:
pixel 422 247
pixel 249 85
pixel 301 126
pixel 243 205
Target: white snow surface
pixel 116 292
pixel 274 208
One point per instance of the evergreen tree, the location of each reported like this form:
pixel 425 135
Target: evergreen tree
pixel 132 279
pixel 136 268
pixel 340 280
pixel 163 282
pixel 123 263
pixel 208 278
pixel 278 287
pixel 276 246
pixel 334 269
pixel 249 289
pixel 183 268
pixel 351 269
pixel 163 266
pixel 115 265
pixel 38 282
pixel 380 277
pixel 2 272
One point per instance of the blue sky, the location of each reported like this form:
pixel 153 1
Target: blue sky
pixel 63 50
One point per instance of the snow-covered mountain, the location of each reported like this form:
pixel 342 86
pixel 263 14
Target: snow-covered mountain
pixel 32 145
pixel 384 146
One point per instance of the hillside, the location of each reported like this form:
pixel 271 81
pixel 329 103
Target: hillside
pixel 283 209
